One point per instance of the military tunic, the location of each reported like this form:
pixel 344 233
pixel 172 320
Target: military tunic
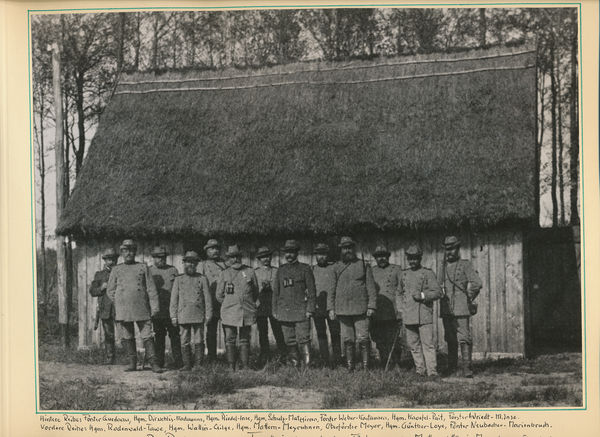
pixel 239 307
pixel 293 292
pixel 413 283
pixel 132 290
pixel 265 275
pixel 355 291
pixel 107 309
pixel 163 279
pixel 191 301
pixel 461 282
pixel 324 282
pixel 387 282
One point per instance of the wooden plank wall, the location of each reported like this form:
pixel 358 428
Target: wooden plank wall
pixel 498 328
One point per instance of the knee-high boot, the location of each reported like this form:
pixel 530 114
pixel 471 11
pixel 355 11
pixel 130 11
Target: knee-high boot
pixel 365 347
pixel 231 352
pixel 187 358
pixel 452 358
pixel 131 353
pixel 350 350
pixel 466 352
pixel 151 355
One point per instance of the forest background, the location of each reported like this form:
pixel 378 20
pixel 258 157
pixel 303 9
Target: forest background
pixel 97 48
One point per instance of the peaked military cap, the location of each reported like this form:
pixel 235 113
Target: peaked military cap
pixel 347 241
pixel 413 251
pixel 381 250
pixel 291 246
pixel 159 251
pixel 191 257
pixel 128 244
pixel 233 250
pixel 321 248
pixel 451 242
pixel 263 251
pixel 110 254
pixel 212 243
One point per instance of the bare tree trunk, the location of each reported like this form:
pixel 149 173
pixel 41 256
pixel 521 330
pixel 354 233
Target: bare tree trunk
pixel 79 151
pixel 554 151
pixel 574 134
pixel 120 41
pixel 539 142
pixel 561 176
pixel 42 172
pixel 138 41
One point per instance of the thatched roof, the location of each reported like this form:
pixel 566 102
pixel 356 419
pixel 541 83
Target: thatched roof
pixel 434 140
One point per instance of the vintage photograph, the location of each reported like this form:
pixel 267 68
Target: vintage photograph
pixel 307 209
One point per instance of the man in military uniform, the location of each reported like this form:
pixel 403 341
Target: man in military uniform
pixel 354 301
pixel 164 275
pixel 132 290
pixel 419 290
pixel 106 309
pixel 324 282
pixel 265 275
pixel 212 268
pixel 190 308
pixel 294 300
pixel 237 292
pixel 461 285
pixel 387 321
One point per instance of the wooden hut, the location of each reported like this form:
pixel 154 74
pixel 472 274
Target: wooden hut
pixel 394 151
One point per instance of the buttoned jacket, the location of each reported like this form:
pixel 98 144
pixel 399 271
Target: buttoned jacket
pixel 462 282
pixel 293 292
pixel 212 270
pixel 163 280
pixel 387 282
pixel 238 308
pixel 415 282
pixel 191 301
pixel 354 292
pixel 324 283
pixel 107 309
pixel 132 290
pixel 265 275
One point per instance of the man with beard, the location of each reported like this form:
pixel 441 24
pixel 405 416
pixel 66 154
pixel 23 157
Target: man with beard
pixel 419 290
pixel 387 321
pixel 190 308
pixel 265 275
pixel 237 292
pixel 354 301
pixel 294 300
pixel 132 290
pixel 164 275
pixel 212 269
pixel 106 309
pixel 324 282
pixel 461 285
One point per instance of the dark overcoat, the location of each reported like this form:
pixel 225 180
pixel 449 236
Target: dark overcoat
pixel 324 283
pixel 293 292
pixel 355 291
pixel 163 279
pixel 387 282
pixel 265 277
pixel 107 309
pixel 462 282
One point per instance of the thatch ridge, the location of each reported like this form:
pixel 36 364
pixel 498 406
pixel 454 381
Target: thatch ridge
pixel 438 148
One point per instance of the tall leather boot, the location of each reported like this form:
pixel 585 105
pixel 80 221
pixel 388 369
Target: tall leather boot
pixel 305 351
pixel 109 346
pixel 231 352
pixel 293 356
pixel 211 345
pixel 336 345
pixel 466 352
pixel 151 355
pixel 245 356
pixel 452 358
pixel 384 354
pixel 159 347
pixel 187 358
pixel 176 352
pixel 350 351
pixel 324 350
pixel 198 355
pixel 131 353
pixel 365 347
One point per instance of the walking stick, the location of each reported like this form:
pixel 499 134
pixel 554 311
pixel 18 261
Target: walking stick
pixel 389 360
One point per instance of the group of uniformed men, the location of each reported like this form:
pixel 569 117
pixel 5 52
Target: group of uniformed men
pixel 356 302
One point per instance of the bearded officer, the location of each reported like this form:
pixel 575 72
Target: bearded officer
pixel 324 282
pixel 419 290
pixel 461 285
pixel 387 321
pixel 190 308
pixel 265 275
pixel 294 299
pixel 212 269
pixel 237 292
pixel 353 300
pixel 106 309
pixel 164 275
pixel 132 290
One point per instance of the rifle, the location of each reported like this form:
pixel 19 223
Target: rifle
pixel 389 360
pixel 444 275
pixel 97 319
